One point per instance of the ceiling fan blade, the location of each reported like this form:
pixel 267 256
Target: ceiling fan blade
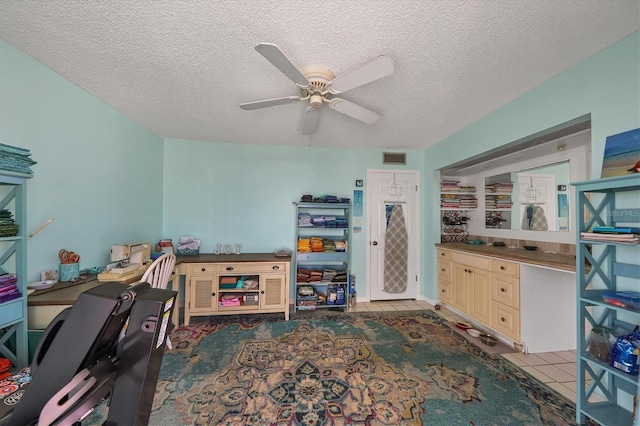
pixel 274 55
pixel 311 119
pixel 374 70
pixel 269 102
pixel 354 111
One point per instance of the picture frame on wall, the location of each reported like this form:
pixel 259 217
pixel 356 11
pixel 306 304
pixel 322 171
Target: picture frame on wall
pixel 621 154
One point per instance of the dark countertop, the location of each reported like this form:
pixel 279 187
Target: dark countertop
pixel 225 258
pixel 565 262
pixel 66 293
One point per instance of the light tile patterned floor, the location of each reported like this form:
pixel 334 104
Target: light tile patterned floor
pixel 555 369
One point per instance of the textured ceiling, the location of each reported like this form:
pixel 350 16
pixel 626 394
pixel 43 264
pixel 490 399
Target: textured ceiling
pixel 181 68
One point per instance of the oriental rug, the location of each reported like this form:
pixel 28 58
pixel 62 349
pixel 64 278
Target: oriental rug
pixel 361 369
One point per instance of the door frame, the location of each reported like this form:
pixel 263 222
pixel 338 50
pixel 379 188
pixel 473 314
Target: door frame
pixel 417 232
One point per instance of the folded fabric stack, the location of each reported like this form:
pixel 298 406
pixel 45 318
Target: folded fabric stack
pixel 305 220
pixel 328 274
pixel 15 159
pixel 328 245
pixel 317 245
pixel 8 227
pixel 229 300
pixel 8 288
pixel 304 245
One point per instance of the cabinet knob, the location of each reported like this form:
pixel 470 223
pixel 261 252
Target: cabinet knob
pixel 441 291
pixel 502 319
pixel 262 292
pixel 275 267
pixel 229 268
pixel 502 268
pixel 375 243
pixel 441 254
pixel 442 269
pixel 213 294
pixel 204 269
pixel 502 289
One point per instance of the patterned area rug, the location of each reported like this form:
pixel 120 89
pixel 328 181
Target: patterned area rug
pixel 369 369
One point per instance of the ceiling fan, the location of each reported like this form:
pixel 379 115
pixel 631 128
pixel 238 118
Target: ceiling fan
pixel 319 85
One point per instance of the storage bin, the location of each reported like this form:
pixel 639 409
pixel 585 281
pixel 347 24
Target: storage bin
pixel 69 271
pixel 307 303
pixel 250 298
pixel 188 252
pixel 624 299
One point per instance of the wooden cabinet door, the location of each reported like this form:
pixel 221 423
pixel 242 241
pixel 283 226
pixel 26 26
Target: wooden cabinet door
pixel 459 287
pixel 273 291
pixel 479 295
pixel 201 288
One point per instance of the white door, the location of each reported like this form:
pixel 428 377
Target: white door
pixel 386 188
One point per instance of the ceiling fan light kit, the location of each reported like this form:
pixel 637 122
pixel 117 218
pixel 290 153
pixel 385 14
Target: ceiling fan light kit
pixel 319 85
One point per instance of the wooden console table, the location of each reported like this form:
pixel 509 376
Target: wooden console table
pixel 207 278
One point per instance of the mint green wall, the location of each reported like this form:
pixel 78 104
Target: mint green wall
pixel 99 174
pixel 227 193
pixel 607 86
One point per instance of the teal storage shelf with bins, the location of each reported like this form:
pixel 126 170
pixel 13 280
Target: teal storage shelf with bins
pixel 322 261
pixel 605 393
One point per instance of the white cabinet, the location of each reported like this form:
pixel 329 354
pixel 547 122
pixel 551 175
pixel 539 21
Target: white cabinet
pixel 226 288
pixel 519 302
pixel 605 394
pixel 13 261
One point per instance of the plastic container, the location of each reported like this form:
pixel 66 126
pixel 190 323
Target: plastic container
pixel 623 299
pixel 473 332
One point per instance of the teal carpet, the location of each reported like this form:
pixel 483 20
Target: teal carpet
pixel 364 369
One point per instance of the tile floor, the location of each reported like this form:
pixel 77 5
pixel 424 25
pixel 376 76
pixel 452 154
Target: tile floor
pixel 555 369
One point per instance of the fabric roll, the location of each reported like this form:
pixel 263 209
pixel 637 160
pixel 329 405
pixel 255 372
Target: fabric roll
pixel 395 253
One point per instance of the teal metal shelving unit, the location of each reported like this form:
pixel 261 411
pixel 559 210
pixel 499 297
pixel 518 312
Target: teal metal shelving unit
pixel 604 393
pixel 318 261
pixel 13 259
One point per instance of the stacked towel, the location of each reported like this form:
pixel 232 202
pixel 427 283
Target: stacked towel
pixel 15 159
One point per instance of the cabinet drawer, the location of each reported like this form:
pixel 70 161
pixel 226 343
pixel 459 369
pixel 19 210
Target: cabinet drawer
pixel 505 320
pixel 444 291
pixel 202 268
pixel 444 254
pixel 505 289
pixel 444 269
pixel 505 267
pixel 473 261
pixel 251 268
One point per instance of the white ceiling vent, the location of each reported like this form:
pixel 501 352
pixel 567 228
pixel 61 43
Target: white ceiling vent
pixel 394 158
